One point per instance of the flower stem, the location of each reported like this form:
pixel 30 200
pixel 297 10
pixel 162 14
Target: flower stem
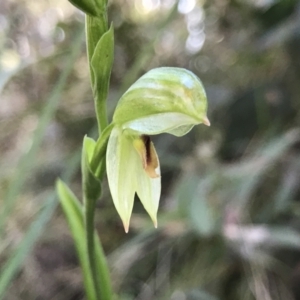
pixel 102 290
pixel 100 56
pixel 91 193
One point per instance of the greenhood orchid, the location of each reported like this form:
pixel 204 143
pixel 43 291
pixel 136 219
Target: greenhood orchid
pixel 164 100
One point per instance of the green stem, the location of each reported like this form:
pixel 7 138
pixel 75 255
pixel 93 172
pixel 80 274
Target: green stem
pixel 92 174
pixel 89 209
pixel 98 161
pixel 96 255
pixel 102 114
pixel 96 27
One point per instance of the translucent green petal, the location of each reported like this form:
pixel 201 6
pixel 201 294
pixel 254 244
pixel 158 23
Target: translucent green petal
pixel 121 161
pixel 181 130
pixel 163 90
pixel 148 189
pixel 163 123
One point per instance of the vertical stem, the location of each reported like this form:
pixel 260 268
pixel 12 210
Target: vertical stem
pixel 96 27
pixel 96 256
pixel 91 193
pixel 90 243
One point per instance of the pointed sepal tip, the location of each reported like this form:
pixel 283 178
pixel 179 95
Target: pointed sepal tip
pixel 206 121
pixel 126 226
pixel 154 220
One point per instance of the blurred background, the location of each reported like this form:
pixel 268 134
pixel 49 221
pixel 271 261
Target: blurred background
pixel 229 219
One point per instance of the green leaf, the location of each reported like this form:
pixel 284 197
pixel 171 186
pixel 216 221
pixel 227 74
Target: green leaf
pixel 98 163
pixel 89 147
pixel 91 7
pixel 95 28
pixel 73 212
pixel 91 184
pixel 102 270
pixel 101 64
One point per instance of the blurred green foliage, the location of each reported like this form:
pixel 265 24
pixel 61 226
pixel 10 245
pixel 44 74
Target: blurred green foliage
pixel 229 216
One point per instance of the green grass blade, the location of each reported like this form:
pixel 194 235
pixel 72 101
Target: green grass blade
pixel 14 263
pixel 73 212
pixel 75 217
pixel 28 160
pixel 102 270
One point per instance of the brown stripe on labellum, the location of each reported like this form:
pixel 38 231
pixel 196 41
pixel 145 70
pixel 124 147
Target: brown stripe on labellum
pixel 151 160
pixel 147 143
pixel 147 153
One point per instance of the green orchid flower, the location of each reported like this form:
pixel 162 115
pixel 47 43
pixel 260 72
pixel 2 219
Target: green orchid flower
pixel 164 100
